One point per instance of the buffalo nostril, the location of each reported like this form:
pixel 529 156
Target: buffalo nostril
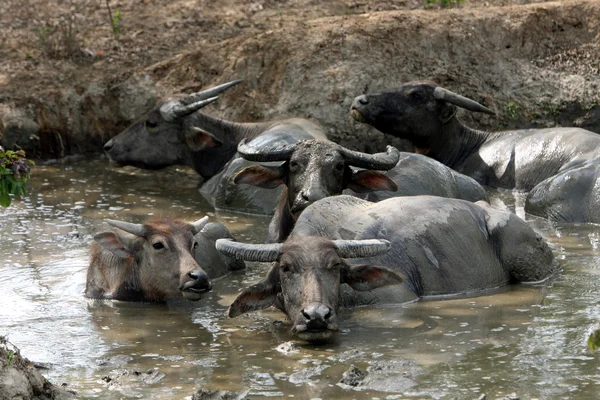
pixel 328 315
pixel 108 145
pixel 306 315
pixel 304 196
pixel 195 275
pixel 363 100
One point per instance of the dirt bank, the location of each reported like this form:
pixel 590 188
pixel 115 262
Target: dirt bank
pixel 19 379
pixel 535 64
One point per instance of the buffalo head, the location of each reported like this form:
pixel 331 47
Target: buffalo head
pixel 306 279
pixel 315 169
pixel 167 134
pixel 151 262
pixel 417 111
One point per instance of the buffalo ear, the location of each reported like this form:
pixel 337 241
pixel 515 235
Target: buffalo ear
pixel 258 296
pixel 110 241
pixel 365 181
pixel 198 139
pixel 261 176
pixel 366 277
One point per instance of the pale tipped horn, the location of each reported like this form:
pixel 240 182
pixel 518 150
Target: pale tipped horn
pixel 361 248
pixel 378 161
pixel 134 229
pixel 446 95
pixel 279 153
pixel 205 94
pixel 249 252
pixel 175 109
pixel 198 225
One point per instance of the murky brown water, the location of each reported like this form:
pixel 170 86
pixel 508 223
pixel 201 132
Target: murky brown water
pixel 524 339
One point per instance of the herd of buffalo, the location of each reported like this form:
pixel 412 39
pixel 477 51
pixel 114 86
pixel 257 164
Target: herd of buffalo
pixel 348 228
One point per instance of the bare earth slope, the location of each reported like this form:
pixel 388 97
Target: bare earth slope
pixel 66 89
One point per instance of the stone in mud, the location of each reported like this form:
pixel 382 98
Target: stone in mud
pixel 393 376
pixel 352 378
pixel 122 378
pixel 205 394
pixel 305 375
pixel 287 348
pixel 20 380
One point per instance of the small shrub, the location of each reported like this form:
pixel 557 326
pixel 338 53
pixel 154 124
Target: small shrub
pixel 512 109
pixel 14 173
pixel 443 3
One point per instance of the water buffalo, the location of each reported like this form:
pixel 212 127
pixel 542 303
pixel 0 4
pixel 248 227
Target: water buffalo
pixel 425 114
pixel 314 169
pixel 399 250
pixel 163 259
pixel 175 133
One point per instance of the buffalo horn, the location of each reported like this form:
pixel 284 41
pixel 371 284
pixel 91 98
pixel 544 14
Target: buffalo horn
pixel 134 229
pixel 279 153
pixel 205 94
pixel 361 248
pixel 379 161
pixel 198 225
pixel 249 252
pixel 175 109
pixel 444 94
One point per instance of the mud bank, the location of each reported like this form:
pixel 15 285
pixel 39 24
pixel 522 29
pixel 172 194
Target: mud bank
pixel 535 65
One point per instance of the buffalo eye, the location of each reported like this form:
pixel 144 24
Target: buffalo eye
pixel 294 164
pixel 285 268
pixel 158 246
pixel 340 166
pixel 416 95
pixel 151 124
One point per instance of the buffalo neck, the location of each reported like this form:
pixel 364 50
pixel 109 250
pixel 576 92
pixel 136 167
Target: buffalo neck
pixel 457 143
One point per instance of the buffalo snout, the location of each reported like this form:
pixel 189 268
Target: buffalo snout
pixel 316 322
pixel 197 284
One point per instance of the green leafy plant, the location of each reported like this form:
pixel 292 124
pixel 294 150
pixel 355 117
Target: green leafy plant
pixel 444 3
pixel 512 109
pixel 10 357
pixel 14 173
pixel 115 20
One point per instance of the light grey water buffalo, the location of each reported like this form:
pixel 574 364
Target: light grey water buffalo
pixel 425 114
pixel 397 250
pixel 315 169
pixel 176 133
pixel 312 170
pixel 163 259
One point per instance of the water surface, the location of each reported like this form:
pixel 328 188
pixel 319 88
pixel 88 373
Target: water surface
pixel 527 339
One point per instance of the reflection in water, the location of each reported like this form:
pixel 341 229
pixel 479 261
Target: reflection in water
pixel 524 339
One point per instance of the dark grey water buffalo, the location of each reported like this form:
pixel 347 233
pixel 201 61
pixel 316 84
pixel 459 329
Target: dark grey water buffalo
pixel 397 250
pixel 176 133
pixel 312 170
pixel 425 114
pixel 163 259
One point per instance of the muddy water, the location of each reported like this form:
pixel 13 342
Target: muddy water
pixel 524 339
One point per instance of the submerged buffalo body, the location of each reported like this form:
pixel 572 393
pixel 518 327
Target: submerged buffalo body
pixel 397 250
pixel 160 260
pixel 425 114
pixel 176 133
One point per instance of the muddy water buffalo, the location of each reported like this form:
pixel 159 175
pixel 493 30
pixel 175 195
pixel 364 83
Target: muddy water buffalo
pixel 176 133
pixel 163 259
pixel 312 170
pixel 425 114
pixel 398 250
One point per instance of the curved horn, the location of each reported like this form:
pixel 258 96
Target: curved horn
pixel 175 109
pixel 379 161
pixel 279 153
pixel 361 248
pixel 198 225
pixel 205 94
pixel 444 94
pixel 249 252
pixel 135 229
